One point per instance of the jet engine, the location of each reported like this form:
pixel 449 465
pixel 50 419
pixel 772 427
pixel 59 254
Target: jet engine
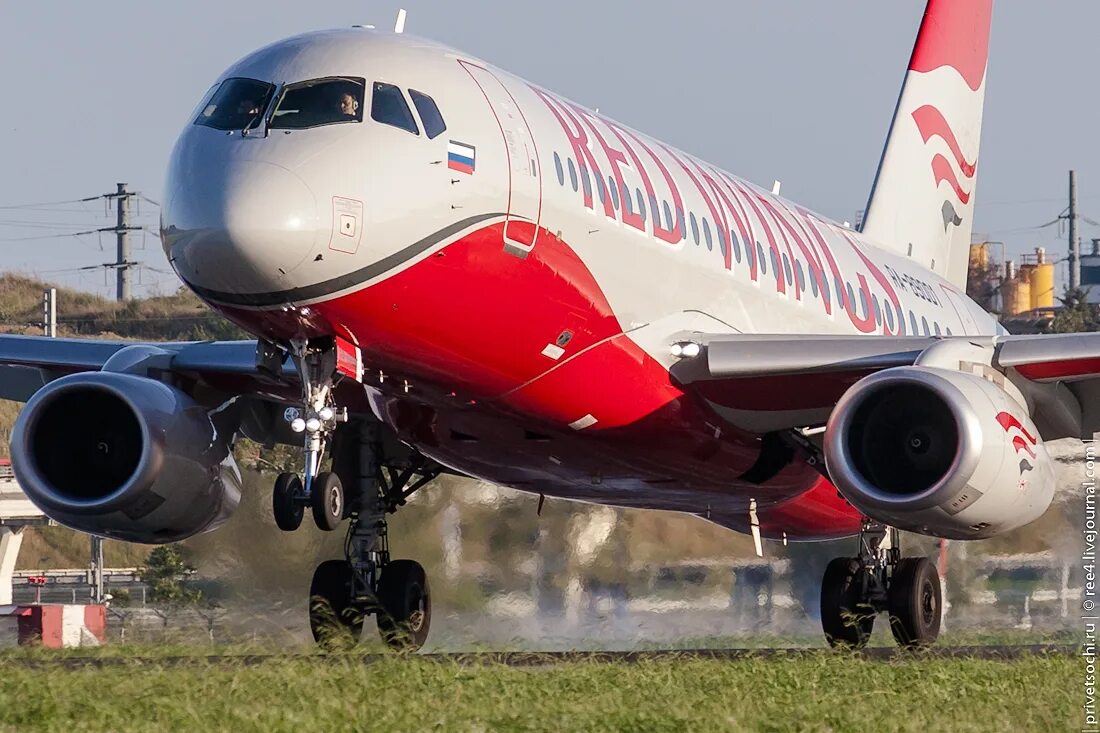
pixel 126 457
pixel 938 452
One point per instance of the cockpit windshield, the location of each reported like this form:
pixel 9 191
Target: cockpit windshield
pixel 319 102
pixel 238 104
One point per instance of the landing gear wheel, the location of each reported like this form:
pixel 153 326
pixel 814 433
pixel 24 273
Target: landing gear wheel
pixel 333 618
pixel 845 618
pixel 406 605
pixel 327 498
pixel 284 502
pixel 915 602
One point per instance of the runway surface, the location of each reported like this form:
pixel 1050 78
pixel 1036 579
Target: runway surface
pixel 544 659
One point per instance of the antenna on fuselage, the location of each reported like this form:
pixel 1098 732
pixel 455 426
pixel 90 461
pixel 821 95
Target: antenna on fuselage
pixel 399 26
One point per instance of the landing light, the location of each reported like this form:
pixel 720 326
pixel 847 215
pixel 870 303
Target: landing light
pixel 686 349
pixel 313 425
pixel 297 424
pixel 327 413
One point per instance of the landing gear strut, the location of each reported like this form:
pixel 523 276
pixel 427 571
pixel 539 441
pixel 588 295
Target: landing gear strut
pixel 367 581
pixel 315 419
pixel 855 589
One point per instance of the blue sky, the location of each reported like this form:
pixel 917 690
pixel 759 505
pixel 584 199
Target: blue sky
pixel 796 90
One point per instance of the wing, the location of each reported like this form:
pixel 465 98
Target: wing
pixel 225 367
pixel 764 383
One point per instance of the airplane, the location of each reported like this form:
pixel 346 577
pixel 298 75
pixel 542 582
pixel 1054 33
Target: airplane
pixel 448 269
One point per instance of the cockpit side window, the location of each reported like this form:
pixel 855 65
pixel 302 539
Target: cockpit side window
pixel 319 102
pixel 429 114
pixel 238 104
pixel 389 107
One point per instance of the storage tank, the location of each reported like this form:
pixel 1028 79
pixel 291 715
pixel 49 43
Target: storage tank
pixel 1041 281
pixel 979 256
pixel 1016 290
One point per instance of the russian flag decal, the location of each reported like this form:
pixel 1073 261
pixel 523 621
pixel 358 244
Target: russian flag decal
pixel 460 156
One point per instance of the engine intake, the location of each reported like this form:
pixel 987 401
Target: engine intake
pixel 126 457
pixel 938 452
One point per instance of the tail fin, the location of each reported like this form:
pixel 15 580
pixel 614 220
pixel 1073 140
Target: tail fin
pixel 922 203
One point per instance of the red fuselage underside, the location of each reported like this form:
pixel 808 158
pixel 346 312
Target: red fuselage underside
pixel 455 343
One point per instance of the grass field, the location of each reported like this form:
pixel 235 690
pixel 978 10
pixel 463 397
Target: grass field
pixel 337 693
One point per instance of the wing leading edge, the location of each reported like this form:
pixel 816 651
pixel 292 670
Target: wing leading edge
pixel 764 383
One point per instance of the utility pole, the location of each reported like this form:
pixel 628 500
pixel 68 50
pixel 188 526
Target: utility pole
pixel 49 312
pixel 122 230
pixel 95 570
pixel 1074 237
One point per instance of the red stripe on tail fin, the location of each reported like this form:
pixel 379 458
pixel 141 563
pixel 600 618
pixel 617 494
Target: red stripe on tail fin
pixel 931 123
pixel 955 33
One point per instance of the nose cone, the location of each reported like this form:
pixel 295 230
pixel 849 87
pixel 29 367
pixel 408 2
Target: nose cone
pixel 240 230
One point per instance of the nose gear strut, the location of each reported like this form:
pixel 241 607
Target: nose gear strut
pixel 315 419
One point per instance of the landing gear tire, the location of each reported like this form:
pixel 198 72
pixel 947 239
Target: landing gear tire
pixel 333 618
pixel 846 620
pixel 915 602
pixel 328 502
pixel 284 502
pixel 406 605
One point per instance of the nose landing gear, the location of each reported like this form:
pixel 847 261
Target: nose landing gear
pixel 316 419
pixel 855 589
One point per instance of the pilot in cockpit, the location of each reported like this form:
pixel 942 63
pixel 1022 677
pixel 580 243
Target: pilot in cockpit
pixel 349 105
pixel 249 107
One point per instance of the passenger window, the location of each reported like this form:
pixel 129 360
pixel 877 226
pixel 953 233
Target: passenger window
pixel 614 191
pixel 913 324
pixel 586 182
pixel 573 175
pixel 389 107
pixel 694 228
pixel 761 259
pixel 668 215
pixel 238 104
pixel 319 102
pixel 706 235
pixel 736 244
pixel 601 189
pixel 558 169
pixel 641 203
pixel 429 114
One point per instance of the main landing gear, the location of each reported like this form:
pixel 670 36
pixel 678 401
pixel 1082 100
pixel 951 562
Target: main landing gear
pixel 855 589
pixel 365 485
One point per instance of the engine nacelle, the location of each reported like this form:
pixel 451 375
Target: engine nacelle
pixel 939 452
pixel 126 457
